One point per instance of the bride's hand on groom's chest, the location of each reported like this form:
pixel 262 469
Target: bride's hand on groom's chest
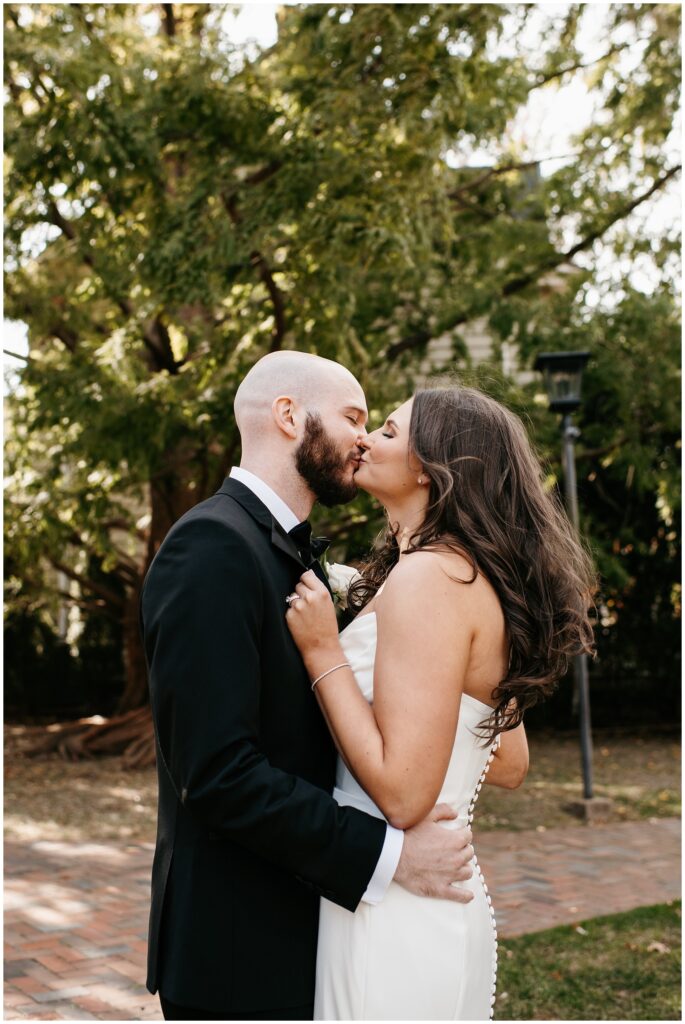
pixel 311 618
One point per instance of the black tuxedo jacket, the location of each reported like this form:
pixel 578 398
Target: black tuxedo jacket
pixel 248 837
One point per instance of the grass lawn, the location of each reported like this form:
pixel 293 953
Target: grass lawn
pixel 621 967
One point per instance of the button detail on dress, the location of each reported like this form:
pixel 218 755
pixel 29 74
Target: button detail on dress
pixel 471 808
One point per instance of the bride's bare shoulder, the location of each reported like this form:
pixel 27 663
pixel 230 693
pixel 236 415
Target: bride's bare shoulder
pixel 430 568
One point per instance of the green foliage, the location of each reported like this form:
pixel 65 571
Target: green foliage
pixel 175 208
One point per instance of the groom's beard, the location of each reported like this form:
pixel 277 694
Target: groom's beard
pixel 320 463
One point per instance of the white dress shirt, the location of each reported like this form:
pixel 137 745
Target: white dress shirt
pixel 394 838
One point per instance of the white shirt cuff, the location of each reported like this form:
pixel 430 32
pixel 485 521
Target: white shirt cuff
pixel 386 866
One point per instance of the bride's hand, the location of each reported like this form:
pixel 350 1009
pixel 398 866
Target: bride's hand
pixel 311 620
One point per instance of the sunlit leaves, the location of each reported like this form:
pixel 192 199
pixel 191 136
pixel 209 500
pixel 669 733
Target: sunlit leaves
pixel 175 209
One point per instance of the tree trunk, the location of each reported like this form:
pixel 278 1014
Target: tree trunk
pixel 135 693
pixel 172 493
pixel 129 733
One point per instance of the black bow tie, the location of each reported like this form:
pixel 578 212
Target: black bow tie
pixel 308 546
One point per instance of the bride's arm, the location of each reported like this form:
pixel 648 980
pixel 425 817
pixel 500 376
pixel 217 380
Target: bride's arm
pixel 398 750
pixel 509 766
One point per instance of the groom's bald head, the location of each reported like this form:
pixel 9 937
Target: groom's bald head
pixel 301 420
pixel 311 381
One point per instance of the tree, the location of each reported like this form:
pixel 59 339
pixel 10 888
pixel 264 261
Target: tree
pixel 175 209
pixel 629 486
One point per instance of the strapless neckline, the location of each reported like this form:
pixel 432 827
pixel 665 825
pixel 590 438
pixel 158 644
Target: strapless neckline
pixel 467 696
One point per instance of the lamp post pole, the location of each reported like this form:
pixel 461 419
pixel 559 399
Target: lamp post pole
pixel 562 373
pixel 580 673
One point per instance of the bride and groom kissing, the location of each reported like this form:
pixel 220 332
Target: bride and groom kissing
pixel 316 788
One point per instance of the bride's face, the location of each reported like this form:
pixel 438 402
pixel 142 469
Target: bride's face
pixel 387 470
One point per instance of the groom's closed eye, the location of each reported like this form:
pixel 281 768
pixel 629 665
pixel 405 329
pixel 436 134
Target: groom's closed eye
pixel 357 416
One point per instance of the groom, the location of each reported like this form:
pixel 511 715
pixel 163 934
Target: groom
pixel 248 836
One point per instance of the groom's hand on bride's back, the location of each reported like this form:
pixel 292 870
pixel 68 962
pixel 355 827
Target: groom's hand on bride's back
pixel 434 858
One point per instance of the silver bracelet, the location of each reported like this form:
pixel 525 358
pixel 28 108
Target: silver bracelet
pixel 343 664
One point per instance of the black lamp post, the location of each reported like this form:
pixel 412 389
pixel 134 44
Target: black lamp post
pixel 562 373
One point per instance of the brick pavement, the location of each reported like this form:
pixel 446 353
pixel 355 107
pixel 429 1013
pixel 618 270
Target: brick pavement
pixel 76 914
pixel 76 931
pixel 540 880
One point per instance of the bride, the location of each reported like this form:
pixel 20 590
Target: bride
pixel 466 616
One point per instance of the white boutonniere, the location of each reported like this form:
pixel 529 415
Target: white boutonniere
pixel 340 579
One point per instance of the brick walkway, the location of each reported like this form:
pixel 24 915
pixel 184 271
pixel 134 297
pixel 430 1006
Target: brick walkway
pixel 542 879
pixel 76 914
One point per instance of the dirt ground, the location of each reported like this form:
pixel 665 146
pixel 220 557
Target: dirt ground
pixel 98 800
pixel 639 773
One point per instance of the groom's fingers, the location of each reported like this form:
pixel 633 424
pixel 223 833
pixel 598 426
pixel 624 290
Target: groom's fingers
pixel 443 812
pixel 457 893
pixel 463 873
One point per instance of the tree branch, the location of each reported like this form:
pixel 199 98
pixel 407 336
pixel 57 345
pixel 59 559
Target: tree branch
pixel 517 284
pixel 257 260
pixel 156 338
pixel 66 335
pixel 264 173
pixel 491 172
pixel 96 604
pixel 154 333
pixel 169 20
pixel 125 526
pixel 543 79
pixel 226 462
pixel 597 484
pixel 83 581
pixel 472 206
pixel 416 340
pixel 126 570
pixel 594 453
pixel 619 442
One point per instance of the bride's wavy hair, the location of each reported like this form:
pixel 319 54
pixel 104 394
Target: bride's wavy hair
pixel 488 502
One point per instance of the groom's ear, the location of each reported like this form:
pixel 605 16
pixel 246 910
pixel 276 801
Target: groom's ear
pixel 284 411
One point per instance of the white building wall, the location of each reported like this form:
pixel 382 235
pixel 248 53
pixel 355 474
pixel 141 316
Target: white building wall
pixel 481 349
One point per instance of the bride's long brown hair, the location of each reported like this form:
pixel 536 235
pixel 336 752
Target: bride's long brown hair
pixel 487 501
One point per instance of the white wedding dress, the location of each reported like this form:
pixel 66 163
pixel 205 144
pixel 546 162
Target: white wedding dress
pixel 410 957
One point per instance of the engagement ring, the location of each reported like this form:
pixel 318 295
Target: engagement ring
pixel 290 598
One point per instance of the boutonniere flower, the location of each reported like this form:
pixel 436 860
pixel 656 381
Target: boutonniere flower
pixel 340 579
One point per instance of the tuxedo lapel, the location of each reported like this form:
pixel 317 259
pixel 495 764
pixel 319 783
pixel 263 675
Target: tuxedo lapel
pixel 279 538
pixel 258 510
pixel 248 499
pixel 319 571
